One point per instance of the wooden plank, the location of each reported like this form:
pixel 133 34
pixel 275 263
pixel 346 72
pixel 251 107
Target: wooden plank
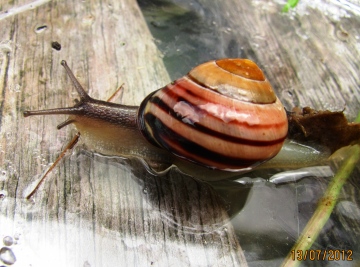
pixel 99 211
pixel 93 210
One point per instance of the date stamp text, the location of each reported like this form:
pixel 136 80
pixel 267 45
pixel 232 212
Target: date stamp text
pixel 322 255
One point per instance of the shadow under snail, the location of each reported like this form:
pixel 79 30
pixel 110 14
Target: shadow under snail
pixel 223 115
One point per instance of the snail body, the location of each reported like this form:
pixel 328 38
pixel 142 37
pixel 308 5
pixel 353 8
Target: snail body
pixel 223 115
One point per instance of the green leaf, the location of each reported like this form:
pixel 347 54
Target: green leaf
pixel 357 120
pixel 289 4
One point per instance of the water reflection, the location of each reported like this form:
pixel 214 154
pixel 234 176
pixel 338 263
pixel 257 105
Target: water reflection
pixel 262 213
pixel 181 202
pixel 119 202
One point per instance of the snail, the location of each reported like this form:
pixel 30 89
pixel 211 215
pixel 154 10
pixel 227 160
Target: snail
pixel 223 115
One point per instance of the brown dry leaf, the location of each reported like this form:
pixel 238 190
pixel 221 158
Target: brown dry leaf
pixel 325 127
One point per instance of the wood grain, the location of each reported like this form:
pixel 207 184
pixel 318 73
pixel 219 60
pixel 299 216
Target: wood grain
pixel 93 211
pixel 98 210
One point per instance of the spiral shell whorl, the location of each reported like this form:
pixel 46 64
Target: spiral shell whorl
pixel 237 78
pixel 223 115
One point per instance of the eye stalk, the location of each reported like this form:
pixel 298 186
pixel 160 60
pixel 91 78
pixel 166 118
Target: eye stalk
pixel 77 109
pixel 88 107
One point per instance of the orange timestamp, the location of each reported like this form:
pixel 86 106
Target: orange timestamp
pixel 322 255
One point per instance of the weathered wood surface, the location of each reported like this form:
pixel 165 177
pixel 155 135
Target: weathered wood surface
pixel 93 212
pixel 97 211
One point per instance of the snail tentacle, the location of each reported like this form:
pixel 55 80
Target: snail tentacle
pixel 82 93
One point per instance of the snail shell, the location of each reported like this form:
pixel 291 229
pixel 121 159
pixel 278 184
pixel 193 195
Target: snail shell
pixel 223 115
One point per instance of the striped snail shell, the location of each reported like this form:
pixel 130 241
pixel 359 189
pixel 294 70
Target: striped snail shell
pixel 222 115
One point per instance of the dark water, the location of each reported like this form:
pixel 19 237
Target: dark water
pixel 188 35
